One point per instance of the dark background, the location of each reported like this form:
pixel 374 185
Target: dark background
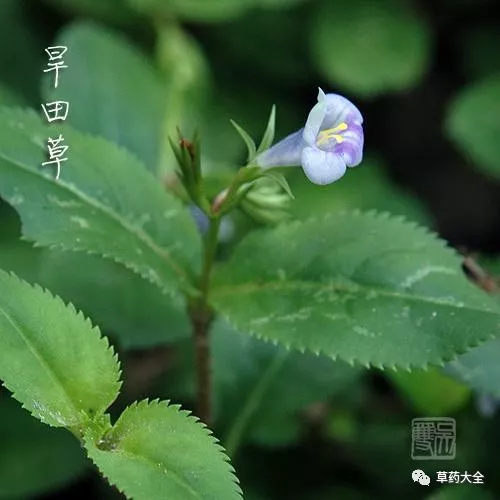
pixel 355 445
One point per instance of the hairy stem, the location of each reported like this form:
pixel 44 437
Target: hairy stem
pixel 201 318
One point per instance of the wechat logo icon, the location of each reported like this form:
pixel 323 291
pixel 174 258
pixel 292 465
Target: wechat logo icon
pixel 421 477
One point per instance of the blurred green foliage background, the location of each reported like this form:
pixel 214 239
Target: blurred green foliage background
pixel 426 76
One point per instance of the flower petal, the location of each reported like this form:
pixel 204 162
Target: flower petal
pixel 285 153
pixel 314 122
pixel 322 167
pixel 338 110
pixel 351 149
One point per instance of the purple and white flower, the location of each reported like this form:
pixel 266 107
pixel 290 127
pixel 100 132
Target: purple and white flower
pixel 331 141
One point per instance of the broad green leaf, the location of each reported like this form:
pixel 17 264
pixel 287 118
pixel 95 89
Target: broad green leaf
pixel 34 459
pixel 128 308
pixel 195 10
pixel 131 309
pixel 362 287
pixel 125 104
pixel 464 492
pixel 430 392
pixel 473 123
pixel 479 368
pixel 157 451
pixel 374 46
pixel 104 202
pixel 364 188
pixel 261 388
pixel 52 359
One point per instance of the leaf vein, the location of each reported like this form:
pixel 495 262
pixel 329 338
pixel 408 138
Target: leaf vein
pixel 141 235
pixel 51 373
pixel 251 287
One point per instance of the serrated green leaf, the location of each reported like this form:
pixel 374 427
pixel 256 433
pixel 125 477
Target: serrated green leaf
pixel 104 202
pixel 479 368
pixel 473 123
pixel 132 310
pixel 126 105
pixel 430 392
pixel 250 144
pixel 52 359
pixel 157 451
pixel 359 286
pixel 34 459
pixel 268 137
pixel 261 388
pixel 383 45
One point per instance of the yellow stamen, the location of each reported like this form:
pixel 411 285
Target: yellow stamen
pixel 331 133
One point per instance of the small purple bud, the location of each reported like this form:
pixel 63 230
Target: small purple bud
pixel 200 218
pixel 226 229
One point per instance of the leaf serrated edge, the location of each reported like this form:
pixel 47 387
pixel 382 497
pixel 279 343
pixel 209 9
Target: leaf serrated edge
pixel 375 214
pixel 214 441
pixel 107 256
pixel 18 111
pixel 441 362
pixel 122 219
pixel 101 339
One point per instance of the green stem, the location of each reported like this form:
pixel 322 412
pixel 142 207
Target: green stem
pixel 242 421
pixel 201 318
pixel 210 249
